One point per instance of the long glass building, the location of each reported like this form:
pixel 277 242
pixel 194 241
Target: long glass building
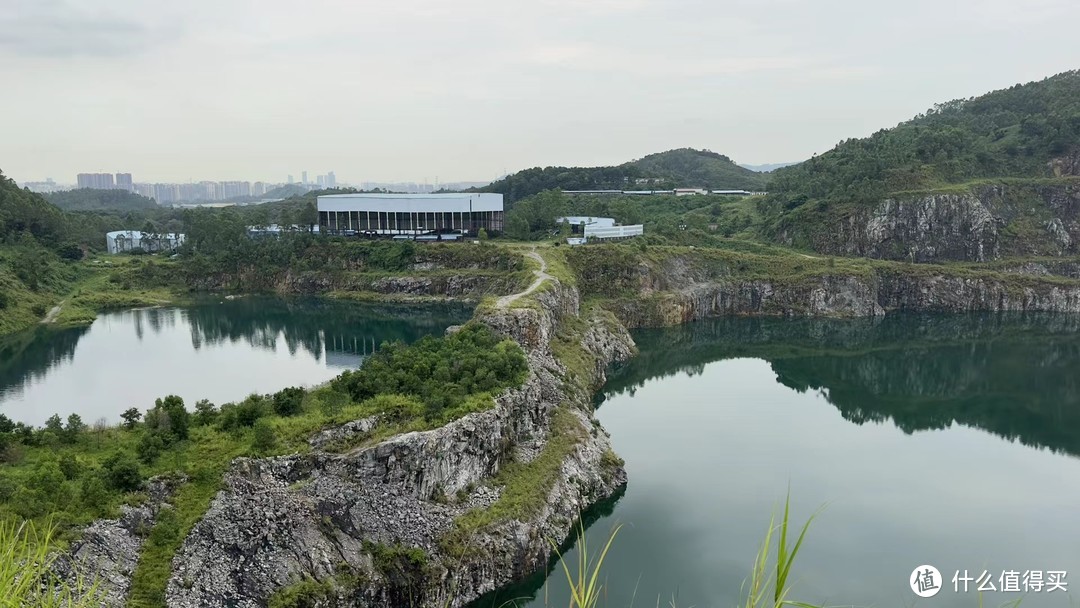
pixel 410 214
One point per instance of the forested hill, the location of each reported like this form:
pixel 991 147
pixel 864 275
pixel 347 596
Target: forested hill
pixel 25 213
pixel 700 169
pixel 1030 130
pixel 85 199
pixel 684 167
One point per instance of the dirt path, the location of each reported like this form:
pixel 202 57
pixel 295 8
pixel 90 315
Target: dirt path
pixel 541 276
pixel 54 312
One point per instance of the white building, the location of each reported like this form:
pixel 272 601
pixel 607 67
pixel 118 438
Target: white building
pixel 410 214
pixel 130 240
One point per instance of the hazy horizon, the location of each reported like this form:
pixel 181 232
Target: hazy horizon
pixel 420 90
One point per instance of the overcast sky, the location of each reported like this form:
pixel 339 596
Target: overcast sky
pixel 469 89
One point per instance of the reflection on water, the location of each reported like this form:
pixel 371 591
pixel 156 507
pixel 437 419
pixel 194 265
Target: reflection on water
pixel 954 444
pixel 216 350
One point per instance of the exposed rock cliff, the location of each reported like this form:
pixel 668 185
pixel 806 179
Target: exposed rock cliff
pixel 984 223
pixel 337 517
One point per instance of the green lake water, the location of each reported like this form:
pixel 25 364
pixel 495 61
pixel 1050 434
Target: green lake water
pixel 220 350
pixel 942 440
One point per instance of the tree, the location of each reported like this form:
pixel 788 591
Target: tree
pixel 55 425
pixel 169 417
pixel 309 216
pixel 74 428
pixel 482 234
pixel 205 412
pixel 70 465
pixel 131 417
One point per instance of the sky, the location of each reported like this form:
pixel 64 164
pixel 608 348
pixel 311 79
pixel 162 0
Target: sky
pixel 414 90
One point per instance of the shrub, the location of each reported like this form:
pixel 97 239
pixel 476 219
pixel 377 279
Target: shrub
pixel 150 447
pixel 265 439
pixel 70 465
pixel 441 372
pixel 243 414
pixel 289 401
pixel 93 494
pixel 122 472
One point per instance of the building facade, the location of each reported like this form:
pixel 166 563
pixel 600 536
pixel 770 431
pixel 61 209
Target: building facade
pixel 410 214
pixel 120 241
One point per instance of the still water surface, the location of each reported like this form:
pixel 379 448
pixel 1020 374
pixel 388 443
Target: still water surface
pixel 220 350
pixel 950 441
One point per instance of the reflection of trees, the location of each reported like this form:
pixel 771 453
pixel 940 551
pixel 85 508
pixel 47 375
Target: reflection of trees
pixel 316 325
pixel 29 355
pixel 1012 375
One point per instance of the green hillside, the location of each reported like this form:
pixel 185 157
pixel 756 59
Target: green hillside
pixel 1024 131
pixel 684 167
pixel 700 169
pixel 85 199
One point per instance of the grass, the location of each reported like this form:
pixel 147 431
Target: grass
pixel 26 571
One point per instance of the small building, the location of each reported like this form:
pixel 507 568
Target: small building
pixel 690 191
pixel 732 192
pixel 121 241
pixel 613 232
pixel 576 240
pixel 578 223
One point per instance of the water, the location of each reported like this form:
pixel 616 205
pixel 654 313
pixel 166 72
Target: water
pixel 220 350
pixel 949 441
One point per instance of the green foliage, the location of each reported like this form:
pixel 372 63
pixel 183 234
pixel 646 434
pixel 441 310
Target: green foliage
pixel 205 413
pixel 264 439
pixel 122 472
pixel 168 419
pixel 441 372
pixel 1011 132
pixel 305 594
pixel 662 171
pixel 26 571
pixel 288 401
pixel 131 417
pixel 244 414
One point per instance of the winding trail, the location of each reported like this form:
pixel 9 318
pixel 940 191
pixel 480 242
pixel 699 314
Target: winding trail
pixel 54 312
pixel 541 276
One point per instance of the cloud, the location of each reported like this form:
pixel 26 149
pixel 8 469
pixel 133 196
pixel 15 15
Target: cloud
pixel 57 29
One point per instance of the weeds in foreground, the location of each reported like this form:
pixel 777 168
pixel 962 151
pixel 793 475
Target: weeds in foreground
pixel 27 557
pixel 585 585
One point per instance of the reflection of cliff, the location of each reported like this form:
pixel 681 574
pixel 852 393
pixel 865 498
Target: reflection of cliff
pixel 1012 375
pixel 346 332
pixel 29 355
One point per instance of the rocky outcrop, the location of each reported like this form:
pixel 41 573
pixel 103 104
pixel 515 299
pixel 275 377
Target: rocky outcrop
pixel 846 296
pixel 982 224
pixel 335 517
pixel 109 548
pixel 471 285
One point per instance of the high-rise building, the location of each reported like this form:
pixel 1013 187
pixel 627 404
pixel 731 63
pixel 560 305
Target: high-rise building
pixel 290 179
pixel 303 177
pixel 123 182
pixel 146 190
pixel 258 189
pixel 331 181
pixel 96 181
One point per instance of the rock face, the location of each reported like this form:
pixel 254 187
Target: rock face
pixel 985 223
pixel 846 296
pixel 110 548
pixel 279 521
